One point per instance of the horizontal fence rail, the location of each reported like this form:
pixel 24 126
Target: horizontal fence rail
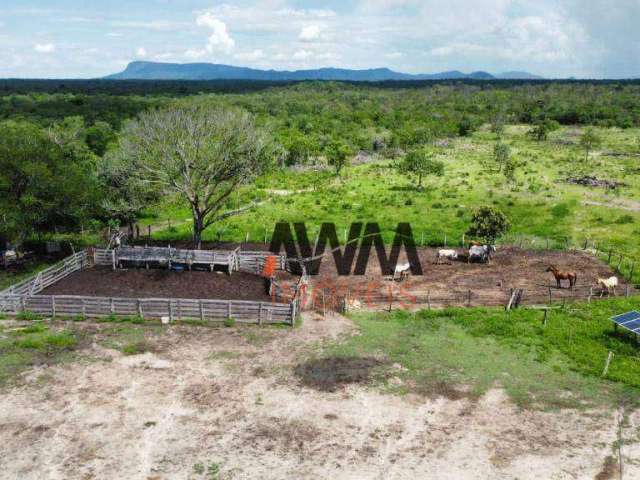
pixel 49 276
pixel 167 256
pixel 171 308
pixel 23 297
pixel 235 260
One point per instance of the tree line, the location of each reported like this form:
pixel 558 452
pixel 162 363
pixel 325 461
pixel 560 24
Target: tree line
pixel 72 160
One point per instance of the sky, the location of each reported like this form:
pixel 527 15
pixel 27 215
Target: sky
pixel 93 38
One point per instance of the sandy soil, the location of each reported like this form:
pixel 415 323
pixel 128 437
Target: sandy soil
pixel 228 398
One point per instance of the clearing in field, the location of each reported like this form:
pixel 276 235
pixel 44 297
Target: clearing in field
pixel 181 402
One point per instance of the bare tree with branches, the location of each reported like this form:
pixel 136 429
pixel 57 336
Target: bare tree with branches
pixel 201 152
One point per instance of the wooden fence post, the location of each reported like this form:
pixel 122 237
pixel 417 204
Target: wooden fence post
pixel 549 295
pixel 53 305
pixel 607 363
pixel 201 311
pixel 113 259
pixel 139 305
pixel 429 299
pixel 469 299
pixel 260 314
pixel 546 314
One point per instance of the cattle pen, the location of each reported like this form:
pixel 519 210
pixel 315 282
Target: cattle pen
pixel 26 296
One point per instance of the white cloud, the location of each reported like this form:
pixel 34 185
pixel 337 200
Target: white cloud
pixel 310 33
pixel 302 55
pixel 141 52
pixel 393 55
pixel 219 40
pixel 533 38
pixel 195 53
pixel 317 13
pixel 44 47
pixel 250 56
pixel 160 25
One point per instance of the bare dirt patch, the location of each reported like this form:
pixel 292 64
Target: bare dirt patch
pixel 195 401
pixel 141 283
pixel 451 282
pixel 328 373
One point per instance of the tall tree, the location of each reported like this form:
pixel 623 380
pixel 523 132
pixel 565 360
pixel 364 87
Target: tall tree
pixel 337 155
pixel 202 153
pixel 46 180
pixel 488 223
pixel 421 163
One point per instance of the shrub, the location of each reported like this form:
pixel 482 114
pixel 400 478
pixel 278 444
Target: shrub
pixel 27 315
pixel 488 223
pixel 230 322
pixel 625 219
pixel 560 210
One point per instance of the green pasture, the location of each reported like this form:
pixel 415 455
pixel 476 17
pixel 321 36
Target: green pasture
pixel 540 205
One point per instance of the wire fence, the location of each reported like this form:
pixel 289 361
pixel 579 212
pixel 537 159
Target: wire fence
pixel 621 262
pixel 346 299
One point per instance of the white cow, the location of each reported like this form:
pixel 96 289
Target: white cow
pixel 403 269
pixel 447 254
pixel 481 252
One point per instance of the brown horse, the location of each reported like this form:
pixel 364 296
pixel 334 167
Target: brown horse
pixel 560 275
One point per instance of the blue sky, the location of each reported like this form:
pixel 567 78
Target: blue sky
pixel 554 38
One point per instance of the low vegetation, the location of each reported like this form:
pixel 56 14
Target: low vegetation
pixel 464 352
pixel 23 347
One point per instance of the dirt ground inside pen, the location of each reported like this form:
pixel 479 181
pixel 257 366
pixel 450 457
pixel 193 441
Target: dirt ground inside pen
pixel 162 283
pixel 246 403
pixel 490 283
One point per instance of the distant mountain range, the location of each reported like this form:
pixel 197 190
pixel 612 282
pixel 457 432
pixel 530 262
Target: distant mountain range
pixel 210 71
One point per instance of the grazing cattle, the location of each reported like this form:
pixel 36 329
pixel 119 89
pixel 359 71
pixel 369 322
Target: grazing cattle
pixel 560 275
pixel 403 270
pixel 608 284
pixel 481 253
pixel 447 254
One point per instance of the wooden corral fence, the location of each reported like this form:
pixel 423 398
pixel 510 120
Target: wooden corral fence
pixel 233 260
pixel 254 261
pixel 170 308
pixel 24 296
pixel 167 256
pixel 49 276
